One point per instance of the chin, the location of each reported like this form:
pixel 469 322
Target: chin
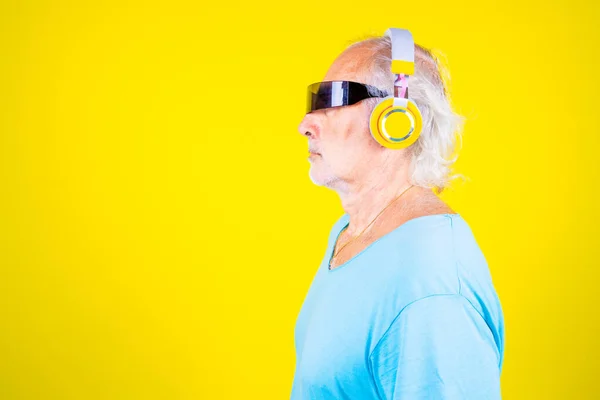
pixel 321 179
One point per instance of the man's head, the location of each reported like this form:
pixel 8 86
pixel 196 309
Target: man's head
pixel 349 155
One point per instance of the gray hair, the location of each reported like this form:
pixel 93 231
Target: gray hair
pixel 431 155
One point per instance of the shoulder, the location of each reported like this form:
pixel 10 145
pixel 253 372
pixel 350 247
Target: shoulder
pixel 438 255
pixel 438 244
pixel 441 265
pixel 422 252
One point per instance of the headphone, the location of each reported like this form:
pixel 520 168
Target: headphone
pixel 396 121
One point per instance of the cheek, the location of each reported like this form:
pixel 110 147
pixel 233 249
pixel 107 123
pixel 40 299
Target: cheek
pixel 348 138
pixel 360 137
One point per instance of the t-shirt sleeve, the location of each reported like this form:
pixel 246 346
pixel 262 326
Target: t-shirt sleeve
pixel 438 347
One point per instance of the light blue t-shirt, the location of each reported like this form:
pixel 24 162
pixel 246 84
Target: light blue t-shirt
pixel 413 316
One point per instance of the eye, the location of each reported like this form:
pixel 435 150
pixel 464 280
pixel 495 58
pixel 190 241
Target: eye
pixel 321 101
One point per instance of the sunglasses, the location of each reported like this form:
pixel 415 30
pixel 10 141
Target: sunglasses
pixel 339 93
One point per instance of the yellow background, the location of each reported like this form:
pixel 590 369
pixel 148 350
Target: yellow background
pixel 158 229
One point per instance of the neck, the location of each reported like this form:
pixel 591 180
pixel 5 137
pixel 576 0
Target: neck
pixel 363 201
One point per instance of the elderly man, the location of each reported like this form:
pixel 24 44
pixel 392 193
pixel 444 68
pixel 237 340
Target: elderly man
pixel 403 305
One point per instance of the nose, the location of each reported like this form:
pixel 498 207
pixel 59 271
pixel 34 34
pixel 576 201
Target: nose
pixel 308 126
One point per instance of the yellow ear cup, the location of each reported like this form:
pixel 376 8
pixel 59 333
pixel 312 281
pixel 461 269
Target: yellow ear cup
pixel 393 126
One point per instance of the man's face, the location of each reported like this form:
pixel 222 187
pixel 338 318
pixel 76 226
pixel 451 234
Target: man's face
pixel 340 135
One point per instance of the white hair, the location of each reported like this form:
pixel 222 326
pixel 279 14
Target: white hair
pixel 431 155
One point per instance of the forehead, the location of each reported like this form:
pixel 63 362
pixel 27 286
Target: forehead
pixel 350 65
